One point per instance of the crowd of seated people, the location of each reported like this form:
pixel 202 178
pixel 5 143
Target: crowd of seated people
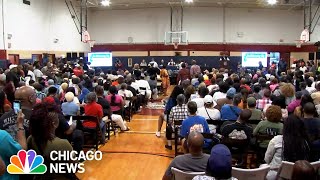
pixel 252 105
pixel 286 104
pixel 63 89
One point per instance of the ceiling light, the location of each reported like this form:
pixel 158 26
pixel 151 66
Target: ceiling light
pixel 189 1
pixel 272 2
pixel 105 3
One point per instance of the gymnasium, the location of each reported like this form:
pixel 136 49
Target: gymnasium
pixel 159 89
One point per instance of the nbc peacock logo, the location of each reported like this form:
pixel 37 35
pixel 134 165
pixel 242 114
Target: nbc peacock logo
pixel 26 162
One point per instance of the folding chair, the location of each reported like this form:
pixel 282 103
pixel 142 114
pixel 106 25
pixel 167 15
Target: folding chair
pixel 92 136
pixel 260 151
pixel 180 175
pixel 143 93
pixel 128 111
pixel 238 149
pixel 177 125
pixel 217 123
pixel 285 170
pixel 316 165
pixel 250 174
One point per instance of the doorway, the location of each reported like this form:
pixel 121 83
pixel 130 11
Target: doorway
pixel 14 58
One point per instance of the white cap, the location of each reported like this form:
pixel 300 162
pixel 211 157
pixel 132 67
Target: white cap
pixel 13 66
pixel 208 99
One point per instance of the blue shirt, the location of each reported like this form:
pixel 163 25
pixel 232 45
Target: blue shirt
pixel 70 108
pixel 8 148
pixel 195 123
pixel 230 112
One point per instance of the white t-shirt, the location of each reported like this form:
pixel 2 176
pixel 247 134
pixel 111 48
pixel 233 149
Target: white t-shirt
pixel 135 86
pixel 213 113
pixel 303 69
pixel 311 89
pixel 199 101
pixel 219 95
pixel 143 84
pixel 127 94
pixel 37 73
pixel 33 77
pixel 213 87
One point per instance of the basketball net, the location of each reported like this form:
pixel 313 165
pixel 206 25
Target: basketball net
pixel 299 43
pixel 175 45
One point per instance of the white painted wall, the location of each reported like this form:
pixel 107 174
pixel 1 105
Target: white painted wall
pixel 263 25
pixel 143 25
pixel 203 23
pixel 315 35
pixel 35 27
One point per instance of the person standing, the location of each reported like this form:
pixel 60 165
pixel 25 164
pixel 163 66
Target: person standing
pixel 119 65
pixel 164 75
pixel 282 66
pixel 194 69
pixel 260 65
pixel 183 74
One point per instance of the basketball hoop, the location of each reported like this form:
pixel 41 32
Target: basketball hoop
pixel 91 43
pixel 299 43
pixel 175 45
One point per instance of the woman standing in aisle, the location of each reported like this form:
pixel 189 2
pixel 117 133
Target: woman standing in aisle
pixel 165 79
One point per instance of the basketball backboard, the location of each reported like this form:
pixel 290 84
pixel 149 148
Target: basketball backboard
pixel 179 37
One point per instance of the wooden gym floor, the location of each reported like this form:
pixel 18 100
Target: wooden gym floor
pixel 136 155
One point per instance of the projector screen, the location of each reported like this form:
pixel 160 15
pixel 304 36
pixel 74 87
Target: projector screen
pixel 100 59
pixel 251 59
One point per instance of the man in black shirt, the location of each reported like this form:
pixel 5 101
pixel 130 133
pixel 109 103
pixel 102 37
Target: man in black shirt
pixel 312 126
pixel 311 123
pixel 240 129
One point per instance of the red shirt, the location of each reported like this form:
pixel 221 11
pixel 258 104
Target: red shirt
pixel 78 71
pixel 92 109
pixel 183 74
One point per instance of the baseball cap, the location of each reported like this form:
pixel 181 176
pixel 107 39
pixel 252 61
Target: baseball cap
pixel 231 92
pixel 208 99
pixel 13 66
pixel 251 101
pixel 220 162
